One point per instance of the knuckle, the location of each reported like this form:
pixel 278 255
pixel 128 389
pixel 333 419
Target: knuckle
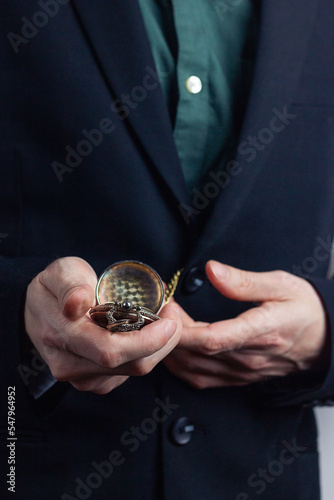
pixel 101 391
pixel 58 372
pixel 48 353
pixel 46 337
pixel 53 332
pixel 212 345
pixel 248 378
pixel 57 341
pixel 288 280
pixel 60 377
pixel 245 281
pixel 275 341
pixel 245 327
pixel 97 384
pixel 42 277
pixel 86 386
pixel 59 265
pixel 261 319
pixel 51 343
pixel 255 320
pixel 199 382
pixel 255 363
pixel 283 275
pixel 47 274
pixel 31 288
pixel 141 367
pixel 111 359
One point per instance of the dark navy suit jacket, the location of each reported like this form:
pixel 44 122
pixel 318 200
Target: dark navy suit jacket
pixel 66 69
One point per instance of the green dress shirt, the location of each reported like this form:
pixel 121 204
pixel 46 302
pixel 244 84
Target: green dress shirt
pixel 203 50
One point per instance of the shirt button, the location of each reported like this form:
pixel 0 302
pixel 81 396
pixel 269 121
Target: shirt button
pixel 193 84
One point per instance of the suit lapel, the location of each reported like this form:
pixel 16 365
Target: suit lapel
pixel 117 34
pixel 286 28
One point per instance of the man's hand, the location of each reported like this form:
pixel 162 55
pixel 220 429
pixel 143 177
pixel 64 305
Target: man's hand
pixel 284 333
pixel 75 348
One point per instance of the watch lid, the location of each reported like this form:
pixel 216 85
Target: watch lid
pixel 133 281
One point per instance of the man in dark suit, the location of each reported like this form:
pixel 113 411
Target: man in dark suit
pixel 194 136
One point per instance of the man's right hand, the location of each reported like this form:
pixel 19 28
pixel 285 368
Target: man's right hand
pixel 75 348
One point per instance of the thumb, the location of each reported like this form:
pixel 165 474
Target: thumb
pixel 72 281
pixel 247 286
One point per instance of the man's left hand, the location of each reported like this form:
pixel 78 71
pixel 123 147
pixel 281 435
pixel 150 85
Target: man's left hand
pixel 285 332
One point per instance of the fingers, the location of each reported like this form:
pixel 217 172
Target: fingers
pixel 75 348
pixel 263 364
pixel 286 333
pixel 67 367
pixel 235 369
pixel 72 281
pixel 86 339
pixel 290 320
pixel 260 328
pixel 214 338
pixel 202 372
pixel 248 286
pixel 84 375
pixel 144 365
pixel 86 350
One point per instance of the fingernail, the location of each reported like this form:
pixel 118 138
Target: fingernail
pixel 170 328
pixel 219 270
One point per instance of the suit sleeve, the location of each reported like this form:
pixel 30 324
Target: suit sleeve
pixel 15 275
pixel 20 359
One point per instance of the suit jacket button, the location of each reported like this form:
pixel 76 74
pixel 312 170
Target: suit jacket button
pixel 181 430
pixel 194 280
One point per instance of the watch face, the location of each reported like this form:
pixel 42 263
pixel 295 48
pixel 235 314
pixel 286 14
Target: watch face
pixel 131 281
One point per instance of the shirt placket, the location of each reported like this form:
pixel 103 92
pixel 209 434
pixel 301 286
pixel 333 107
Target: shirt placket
pixel 193 78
